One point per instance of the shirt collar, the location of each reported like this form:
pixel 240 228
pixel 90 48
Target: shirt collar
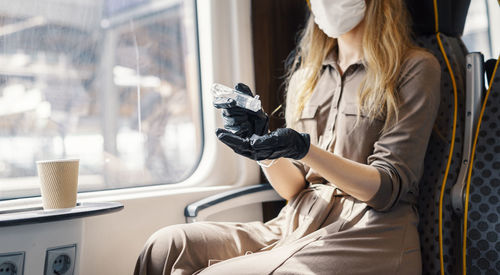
pixel 331 59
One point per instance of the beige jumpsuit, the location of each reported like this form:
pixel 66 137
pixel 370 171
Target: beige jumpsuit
pixel 323 230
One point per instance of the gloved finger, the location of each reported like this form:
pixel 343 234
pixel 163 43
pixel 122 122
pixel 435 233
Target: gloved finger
pixel 230 105
pixel 237 122
pixel 265 142
pixel 260 125
pixel 231 139
pixel 224 103
pixel 239 131
pixel 238 111
pixel 234 116
pixel 239 145
pixel 235 112
pixel 240 87
pixel 229 108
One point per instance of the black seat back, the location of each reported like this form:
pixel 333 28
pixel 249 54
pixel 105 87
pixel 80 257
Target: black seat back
pixel 438 172
pixel 482 245
pixel 443 157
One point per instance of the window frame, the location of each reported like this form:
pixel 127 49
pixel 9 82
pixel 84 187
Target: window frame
pixel 222 26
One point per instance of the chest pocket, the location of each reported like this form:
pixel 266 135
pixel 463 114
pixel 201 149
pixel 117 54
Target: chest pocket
pixel 308 122
pixel 362 133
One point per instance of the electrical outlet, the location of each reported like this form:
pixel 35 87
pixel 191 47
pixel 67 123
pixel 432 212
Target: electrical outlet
pixel 60 260
pixel 12 263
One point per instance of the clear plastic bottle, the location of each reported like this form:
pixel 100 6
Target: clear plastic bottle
pixel 242 100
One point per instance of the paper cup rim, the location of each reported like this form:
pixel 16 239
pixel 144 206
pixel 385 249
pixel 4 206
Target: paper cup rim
pixel 57 160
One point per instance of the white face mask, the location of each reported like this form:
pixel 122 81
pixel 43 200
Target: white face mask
pixel 336 17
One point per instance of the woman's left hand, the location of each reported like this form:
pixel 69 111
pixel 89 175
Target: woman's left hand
pixel 240 121
pixel 283 142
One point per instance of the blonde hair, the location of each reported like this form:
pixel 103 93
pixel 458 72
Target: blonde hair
pixel 386 41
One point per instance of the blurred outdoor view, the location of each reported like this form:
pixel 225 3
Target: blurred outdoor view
pixel 482 22
pixel 112 82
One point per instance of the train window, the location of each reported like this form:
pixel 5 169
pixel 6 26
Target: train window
pixel 114 83
pixel 482 28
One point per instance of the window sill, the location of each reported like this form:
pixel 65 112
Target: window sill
pixel 38 215
pixel 121 195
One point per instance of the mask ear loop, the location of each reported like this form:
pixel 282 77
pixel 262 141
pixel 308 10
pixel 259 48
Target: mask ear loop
pixel 276 110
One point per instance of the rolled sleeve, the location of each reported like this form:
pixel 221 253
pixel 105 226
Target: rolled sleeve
pixel 398 154
pixel 386 192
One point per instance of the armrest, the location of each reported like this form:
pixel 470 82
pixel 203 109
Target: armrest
pixel 198 211
pixel 474 85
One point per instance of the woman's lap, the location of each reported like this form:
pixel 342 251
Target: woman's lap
pixel 352 239
pixel 348 252
pixel 186 248
pixel 351 252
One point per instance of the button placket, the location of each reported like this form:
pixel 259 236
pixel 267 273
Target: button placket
pixel 330 125
pixel 336 97
pixel 329 130
pixel 332 116
pixel 333 113
pixel 334 106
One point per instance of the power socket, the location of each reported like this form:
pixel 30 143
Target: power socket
pixel 12 263
pixel 60 260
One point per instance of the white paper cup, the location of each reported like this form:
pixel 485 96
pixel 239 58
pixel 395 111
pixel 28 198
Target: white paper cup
pixel 58 182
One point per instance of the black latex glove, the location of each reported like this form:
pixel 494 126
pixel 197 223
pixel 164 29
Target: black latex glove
pixel 283 142
pixel 240 121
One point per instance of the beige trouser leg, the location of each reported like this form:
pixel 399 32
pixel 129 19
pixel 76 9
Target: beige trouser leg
pixel 348 254
pixel 186 248
pixel 357 252
pixel 369 243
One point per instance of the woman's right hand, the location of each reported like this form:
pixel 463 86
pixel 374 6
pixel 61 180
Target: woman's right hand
pixel 242 122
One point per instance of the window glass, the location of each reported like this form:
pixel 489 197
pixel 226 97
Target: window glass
pixel 482 28
pixel 114 83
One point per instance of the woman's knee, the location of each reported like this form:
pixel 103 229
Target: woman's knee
pixel 161 250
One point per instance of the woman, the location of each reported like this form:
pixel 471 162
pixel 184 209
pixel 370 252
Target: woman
pixel 361 104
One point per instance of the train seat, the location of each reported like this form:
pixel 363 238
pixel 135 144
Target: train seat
pixel 438 26
pixel 442 160
pixel 481 197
